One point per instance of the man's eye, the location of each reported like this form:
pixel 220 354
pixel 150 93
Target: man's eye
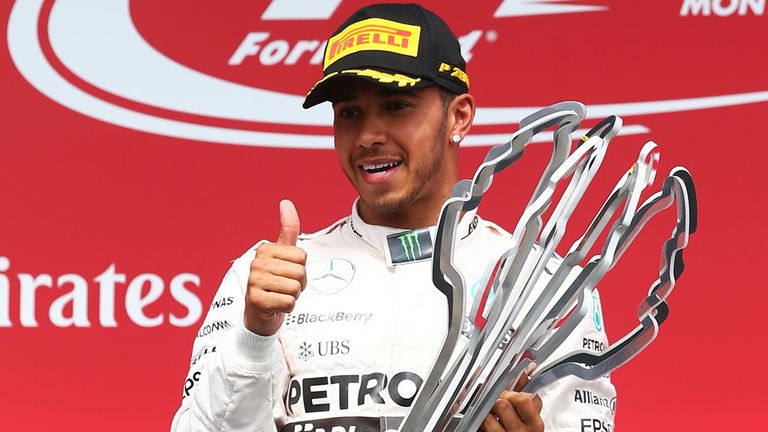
pixel 348 112
pixel 396 106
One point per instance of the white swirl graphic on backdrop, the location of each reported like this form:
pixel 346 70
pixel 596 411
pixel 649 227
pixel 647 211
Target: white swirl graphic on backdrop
pixel 103 48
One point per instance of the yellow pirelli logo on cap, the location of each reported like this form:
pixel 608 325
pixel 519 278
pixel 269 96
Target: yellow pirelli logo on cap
pixel 373 34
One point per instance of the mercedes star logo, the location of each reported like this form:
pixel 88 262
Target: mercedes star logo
pixel 331 275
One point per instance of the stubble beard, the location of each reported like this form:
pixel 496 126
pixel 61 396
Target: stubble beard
pixel 422 174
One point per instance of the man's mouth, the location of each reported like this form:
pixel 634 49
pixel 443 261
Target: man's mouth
pixel 379 168
pixel 379 171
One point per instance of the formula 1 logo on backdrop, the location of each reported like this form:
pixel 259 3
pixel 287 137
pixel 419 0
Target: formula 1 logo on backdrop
pixel 99 64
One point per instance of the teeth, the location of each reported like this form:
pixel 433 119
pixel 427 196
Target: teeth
pixel 377 167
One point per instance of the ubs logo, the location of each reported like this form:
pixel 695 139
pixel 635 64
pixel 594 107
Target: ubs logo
pixel 308 350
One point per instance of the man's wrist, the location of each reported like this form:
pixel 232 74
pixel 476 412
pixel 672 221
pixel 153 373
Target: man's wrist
pixel 252 351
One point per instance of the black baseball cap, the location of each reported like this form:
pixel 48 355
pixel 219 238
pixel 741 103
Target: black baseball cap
pixel 402 46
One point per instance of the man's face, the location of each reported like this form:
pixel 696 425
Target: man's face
pixel 391 145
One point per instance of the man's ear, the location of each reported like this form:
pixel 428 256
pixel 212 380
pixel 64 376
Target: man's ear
pixel 461 113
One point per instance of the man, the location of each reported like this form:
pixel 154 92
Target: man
pixel 350 354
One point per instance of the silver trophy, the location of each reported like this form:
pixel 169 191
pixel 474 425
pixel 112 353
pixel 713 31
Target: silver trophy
pixel 466 388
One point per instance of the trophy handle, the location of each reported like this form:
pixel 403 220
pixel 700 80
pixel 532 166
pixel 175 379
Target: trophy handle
pixel 677 188
pixel 626 191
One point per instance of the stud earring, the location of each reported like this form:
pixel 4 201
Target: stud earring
pixel 456 138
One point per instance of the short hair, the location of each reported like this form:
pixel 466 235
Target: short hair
pixel 446 97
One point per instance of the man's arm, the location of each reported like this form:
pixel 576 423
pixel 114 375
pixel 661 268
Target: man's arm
pixel 570 403
pixel 236 378
pixel 238 373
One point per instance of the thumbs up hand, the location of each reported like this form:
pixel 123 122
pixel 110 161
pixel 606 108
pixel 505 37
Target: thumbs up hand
pixel 277 277
pixel 289 224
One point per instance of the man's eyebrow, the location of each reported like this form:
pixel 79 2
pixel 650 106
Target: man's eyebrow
pixel 342 97
pixel 395 92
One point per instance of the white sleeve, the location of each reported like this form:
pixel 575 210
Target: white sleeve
pixel 237 379
pixel 571 404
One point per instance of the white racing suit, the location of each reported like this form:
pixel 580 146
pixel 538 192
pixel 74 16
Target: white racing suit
pixel 360 341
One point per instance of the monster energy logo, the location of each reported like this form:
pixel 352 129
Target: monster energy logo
pixel 409 246
pixel 408 240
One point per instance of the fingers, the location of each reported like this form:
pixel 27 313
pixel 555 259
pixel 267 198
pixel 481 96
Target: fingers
pixel 538 404
pixel 522 382
pixel 292 254
pixel 277 276
pixel 268 252
pixel 514 411
pixel 289 224
pixel 525 377
pixel 277 271
pixel 508 417
pixel 491 424
pixel 280 298
pixel 287 261
pixel 519 411
pixel 276 284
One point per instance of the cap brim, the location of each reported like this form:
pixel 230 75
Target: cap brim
pixel 323 89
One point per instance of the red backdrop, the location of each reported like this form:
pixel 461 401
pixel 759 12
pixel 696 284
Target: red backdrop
pixel 145 144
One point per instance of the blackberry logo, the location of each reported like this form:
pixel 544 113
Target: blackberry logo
pixel 328 317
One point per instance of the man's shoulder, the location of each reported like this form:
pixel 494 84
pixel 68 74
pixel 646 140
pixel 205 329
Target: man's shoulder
pixel 331 230
pixel 304 240
pixel 488 228
pixel 334 228
pixel 501 237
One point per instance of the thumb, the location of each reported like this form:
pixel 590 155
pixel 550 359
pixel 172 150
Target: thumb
pixel 525 377
pixel 289 224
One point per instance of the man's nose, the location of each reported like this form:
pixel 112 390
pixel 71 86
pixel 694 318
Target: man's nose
pixel 372 131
